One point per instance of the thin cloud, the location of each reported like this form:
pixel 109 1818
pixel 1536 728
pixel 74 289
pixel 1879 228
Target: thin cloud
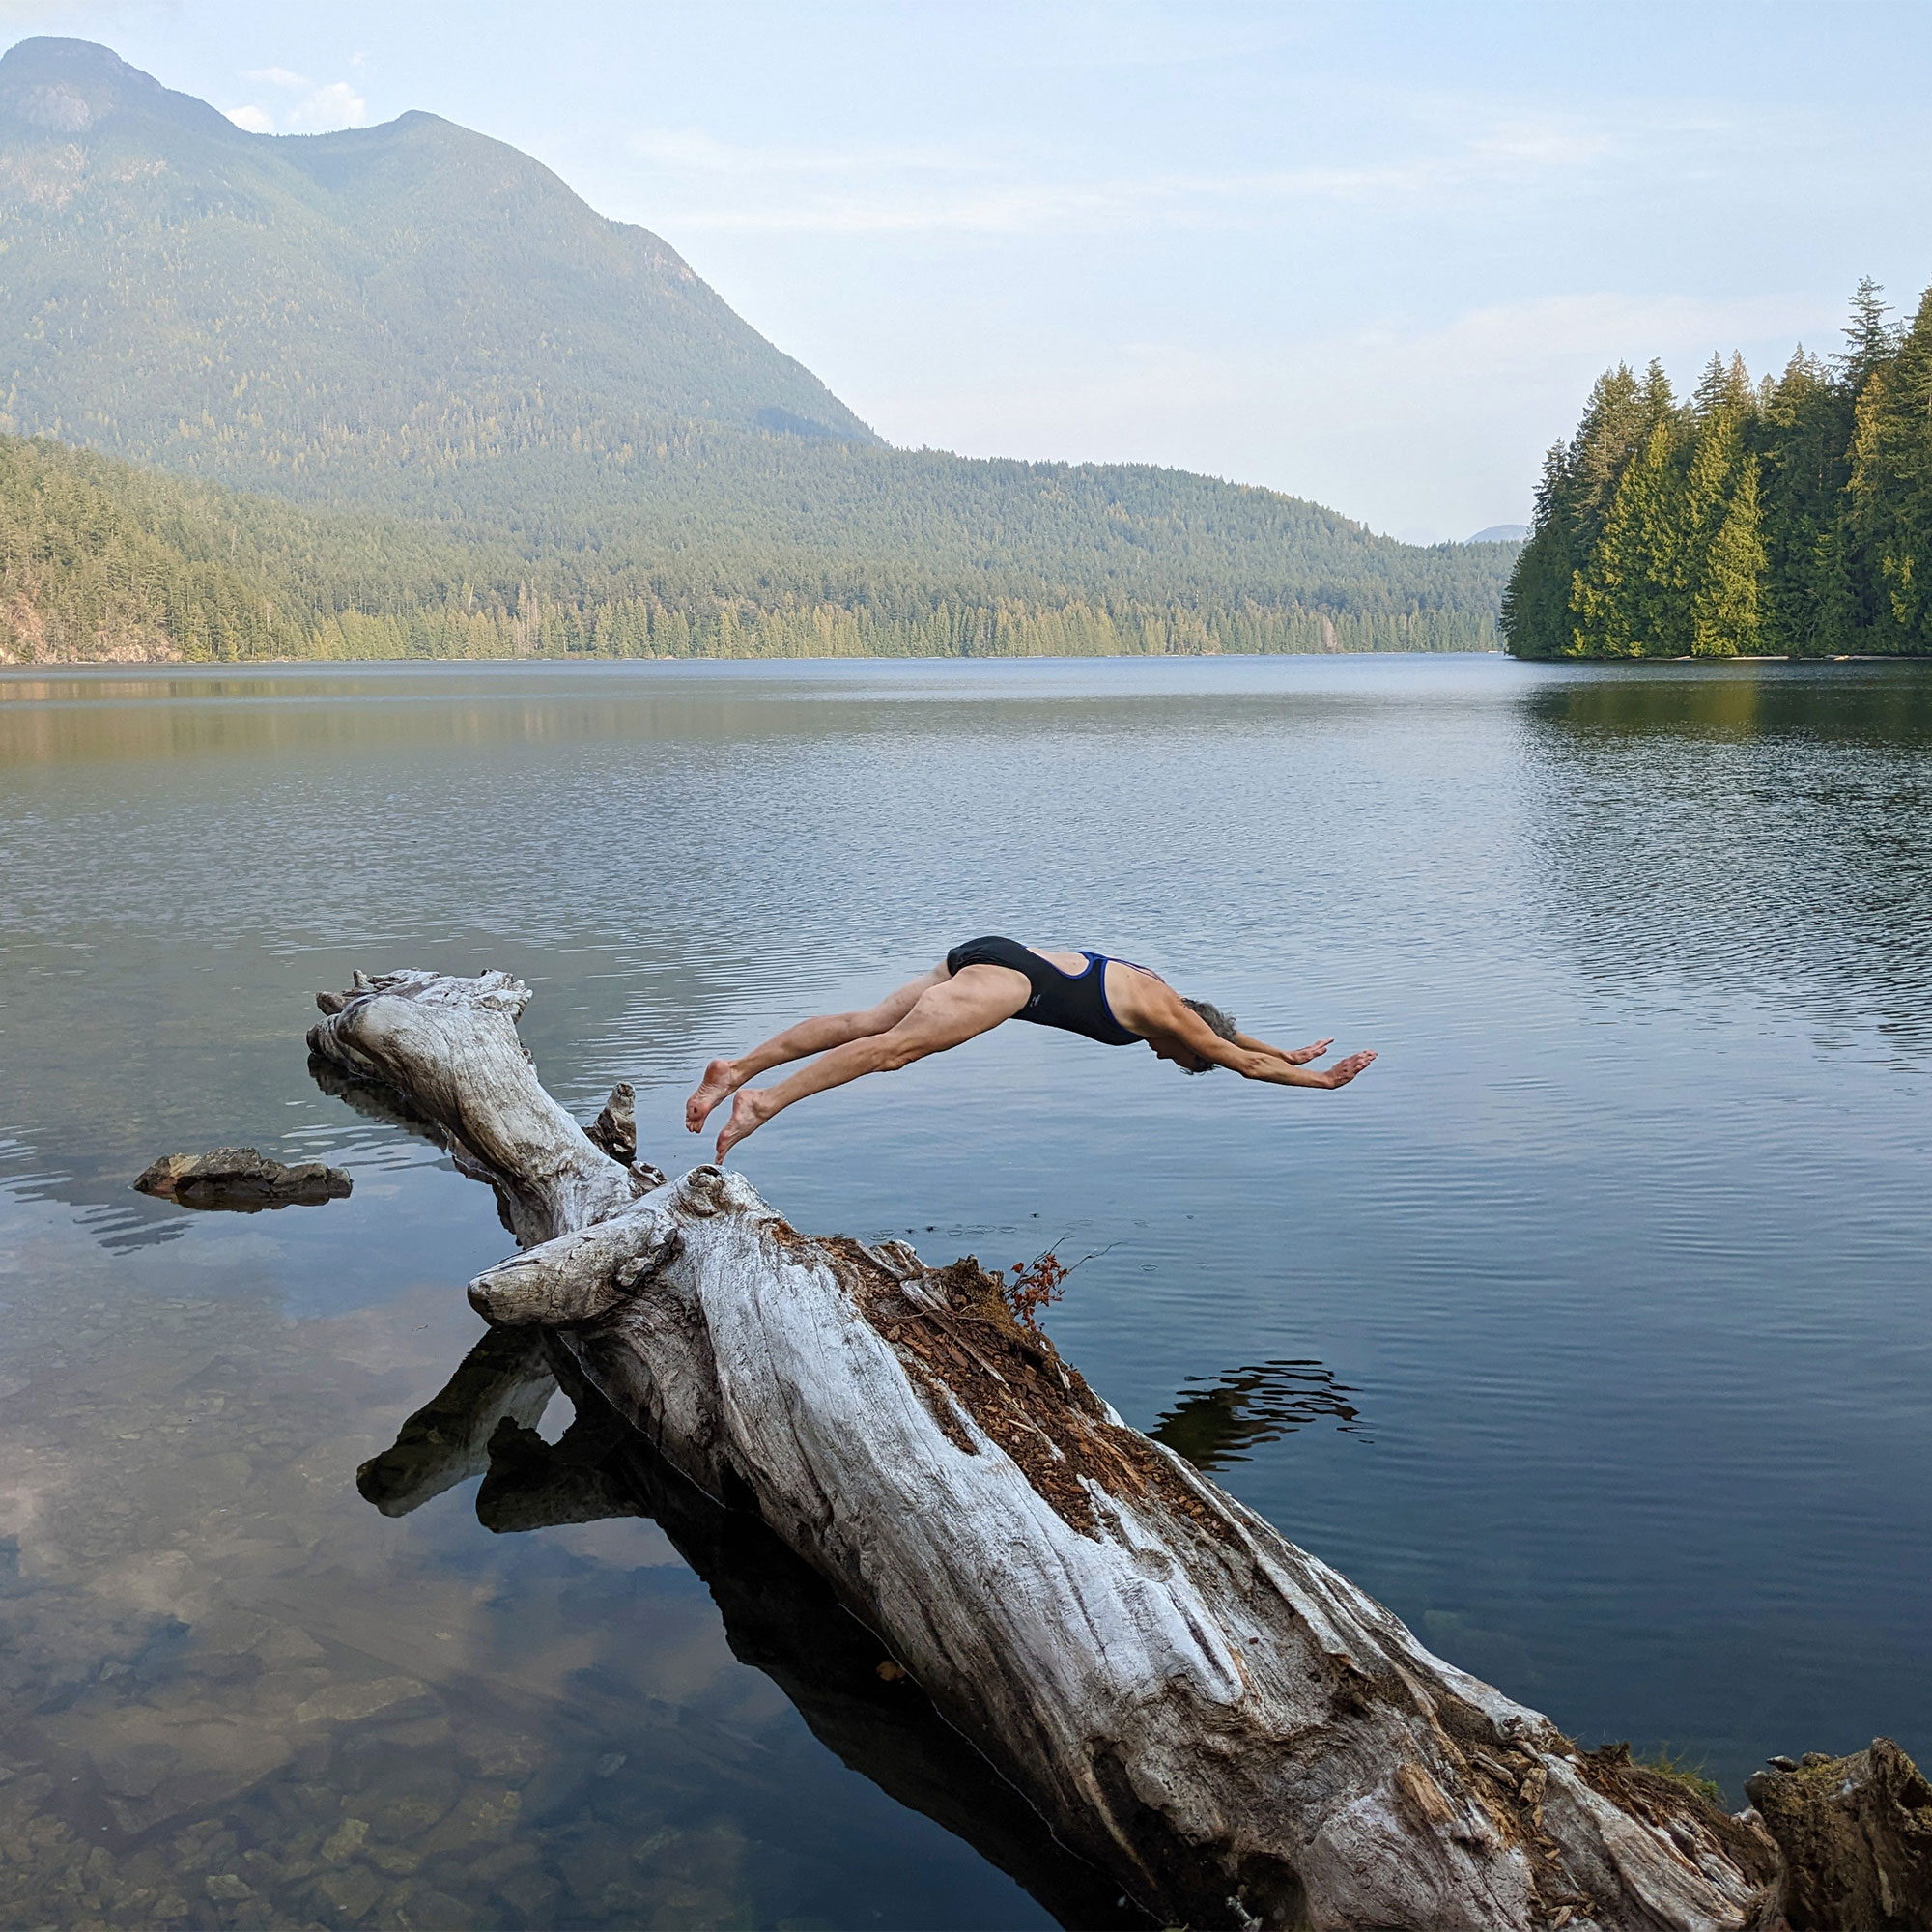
pixel 336 105
pixel 44 13
pixel 691 151
pixel 721 186
pixel 1410 427
pixel 318 110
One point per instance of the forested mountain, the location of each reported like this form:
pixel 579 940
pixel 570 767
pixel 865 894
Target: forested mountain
pixel 1793 517
pixel 100 559
pixel 362 313
pixel 422 327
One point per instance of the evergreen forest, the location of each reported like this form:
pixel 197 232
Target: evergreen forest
pixel 99 559
pixel 1789 518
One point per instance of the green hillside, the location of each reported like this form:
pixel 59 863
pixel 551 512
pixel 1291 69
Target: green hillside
pixel 421 326
pixel 318 315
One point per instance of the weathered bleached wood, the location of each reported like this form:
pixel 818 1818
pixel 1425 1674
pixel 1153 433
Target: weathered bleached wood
pixel 1196 1706
pixel 450 1048
pixel 615 1128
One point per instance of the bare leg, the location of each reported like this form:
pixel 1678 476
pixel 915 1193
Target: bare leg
pixel 974 1001
pixel 724 1077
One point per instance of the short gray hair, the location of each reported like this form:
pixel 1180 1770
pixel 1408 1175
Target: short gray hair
pixel 1219 1022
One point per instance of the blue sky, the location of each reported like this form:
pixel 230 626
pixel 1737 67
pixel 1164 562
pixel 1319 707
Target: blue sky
pixel 1372 254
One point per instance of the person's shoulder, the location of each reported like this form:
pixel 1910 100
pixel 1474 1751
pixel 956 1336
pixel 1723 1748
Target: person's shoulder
pixel 1139 986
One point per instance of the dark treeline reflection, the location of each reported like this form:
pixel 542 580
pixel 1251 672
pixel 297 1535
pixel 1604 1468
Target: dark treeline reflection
pixel 780 1616
pixel 1219 1421
pixel 1840 705
pixel 1766 834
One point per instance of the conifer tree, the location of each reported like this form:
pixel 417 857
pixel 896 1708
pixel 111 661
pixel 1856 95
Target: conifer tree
pixel 1870 340
pixel 1888 514
pixel 1622 600
pixel 1724 610
pixel 1573 500
pixel 1802 431
pixel 1536 601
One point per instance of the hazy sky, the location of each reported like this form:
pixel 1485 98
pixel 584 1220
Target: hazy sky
pixel 1371 254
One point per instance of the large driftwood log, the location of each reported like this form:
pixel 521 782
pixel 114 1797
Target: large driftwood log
pixel 1229 1729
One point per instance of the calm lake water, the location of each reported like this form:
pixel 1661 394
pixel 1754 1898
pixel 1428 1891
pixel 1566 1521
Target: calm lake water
pixel 1589 1330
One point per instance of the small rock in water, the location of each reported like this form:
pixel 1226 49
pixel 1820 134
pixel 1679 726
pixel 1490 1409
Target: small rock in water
pixel 243 1180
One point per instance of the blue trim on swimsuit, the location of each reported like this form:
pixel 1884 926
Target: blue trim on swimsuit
pixel 1072 1001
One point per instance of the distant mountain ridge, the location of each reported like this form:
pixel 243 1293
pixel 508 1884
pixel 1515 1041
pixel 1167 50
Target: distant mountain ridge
pixel 267 309
pixel 417 322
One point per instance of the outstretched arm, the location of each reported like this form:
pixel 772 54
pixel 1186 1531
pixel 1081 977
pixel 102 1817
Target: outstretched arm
pixel 1280 1068
pixel 1161 1012
pixel 1296 1056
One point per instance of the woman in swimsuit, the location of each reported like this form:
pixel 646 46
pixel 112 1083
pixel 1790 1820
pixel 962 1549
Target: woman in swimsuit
pixel 981 985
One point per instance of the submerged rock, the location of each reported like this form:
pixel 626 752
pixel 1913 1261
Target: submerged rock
pixel 242 1181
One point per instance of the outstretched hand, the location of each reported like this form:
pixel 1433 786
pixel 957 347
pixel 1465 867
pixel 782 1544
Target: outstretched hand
pixel 1344 1070
pixel 1303 1055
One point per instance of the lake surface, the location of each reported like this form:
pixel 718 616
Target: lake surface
pixel 1589 1330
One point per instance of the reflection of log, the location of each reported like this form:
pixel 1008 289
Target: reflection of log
pixel 783 1618
pixel 447 1441
pixel 1228 1729
pixel 1213 1424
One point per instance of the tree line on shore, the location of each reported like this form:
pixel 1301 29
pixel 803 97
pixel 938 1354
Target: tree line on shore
pixel 1790 518
pixel 103 559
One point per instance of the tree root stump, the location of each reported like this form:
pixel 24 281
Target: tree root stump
pixel 1856 1837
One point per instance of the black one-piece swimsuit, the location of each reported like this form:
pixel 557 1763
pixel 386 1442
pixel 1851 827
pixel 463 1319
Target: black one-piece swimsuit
pixel 1072 1001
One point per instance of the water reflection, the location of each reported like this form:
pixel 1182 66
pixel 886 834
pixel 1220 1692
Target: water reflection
pixel 1763 836
pixel 233 1695
pixel 780 1616
pixel 506 1377
pixel 1836 703
pixel 1223 1418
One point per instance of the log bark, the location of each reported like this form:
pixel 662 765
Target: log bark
pixel 1213 1717
pixel 1856 1836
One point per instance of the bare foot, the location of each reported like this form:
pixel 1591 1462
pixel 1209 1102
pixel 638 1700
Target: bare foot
pixel 718 1080
pixel 750 1112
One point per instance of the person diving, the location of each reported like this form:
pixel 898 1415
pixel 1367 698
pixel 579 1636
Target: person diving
pixel 981 985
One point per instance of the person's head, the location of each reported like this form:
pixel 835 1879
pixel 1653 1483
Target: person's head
pixel 1218 1021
